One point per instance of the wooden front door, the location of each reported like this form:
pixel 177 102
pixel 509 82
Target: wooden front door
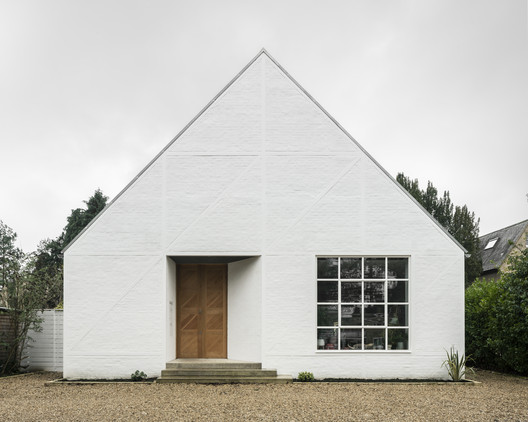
pixel 201 311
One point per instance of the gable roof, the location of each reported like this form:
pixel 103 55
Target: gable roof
pixel 264 52
pixel 494 256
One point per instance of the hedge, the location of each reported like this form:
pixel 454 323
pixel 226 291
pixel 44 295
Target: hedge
pixel 497 319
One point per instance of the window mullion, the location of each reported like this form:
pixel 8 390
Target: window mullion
pixel 339 303
pixel 386 298
pixel 362 303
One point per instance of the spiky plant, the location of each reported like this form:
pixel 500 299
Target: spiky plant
pixel 456 365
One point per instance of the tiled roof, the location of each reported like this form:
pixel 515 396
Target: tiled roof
pixel 492 258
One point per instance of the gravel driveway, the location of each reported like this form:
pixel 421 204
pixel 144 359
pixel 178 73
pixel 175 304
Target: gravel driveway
pixel 499 398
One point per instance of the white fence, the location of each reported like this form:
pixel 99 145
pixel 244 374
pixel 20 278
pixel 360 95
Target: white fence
pixel 45 350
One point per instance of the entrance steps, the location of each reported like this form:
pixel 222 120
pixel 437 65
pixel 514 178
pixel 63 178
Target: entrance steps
pixel 219 371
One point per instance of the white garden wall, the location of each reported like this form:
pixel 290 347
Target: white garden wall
pixel 262 172
pixel 44 351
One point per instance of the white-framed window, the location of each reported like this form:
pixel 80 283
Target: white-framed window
pixel 362 303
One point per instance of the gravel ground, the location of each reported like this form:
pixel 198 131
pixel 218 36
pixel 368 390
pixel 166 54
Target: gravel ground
pixel 499 398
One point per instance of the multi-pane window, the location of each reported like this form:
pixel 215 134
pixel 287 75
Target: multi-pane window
pixel 363 303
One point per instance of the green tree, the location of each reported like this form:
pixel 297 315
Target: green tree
pixel 411 186
pixel 464 228
pixel 458 221
pixel 46 265
pixel 10 257
pixel 81 217
pixel 21 295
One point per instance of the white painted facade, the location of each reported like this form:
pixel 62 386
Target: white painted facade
pixel 262 172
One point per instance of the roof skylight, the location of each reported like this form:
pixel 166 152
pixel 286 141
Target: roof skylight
pixel 491 243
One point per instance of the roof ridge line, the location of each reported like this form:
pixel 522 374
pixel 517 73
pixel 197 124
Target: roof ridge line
pixel 504 228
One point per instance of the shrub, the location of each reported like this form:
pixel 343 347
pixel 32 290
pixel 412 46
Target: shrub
pixel 481 298
pixel 456 365
pixel 497 319
pixel 138 376
pixel 305 376
pixel 511 339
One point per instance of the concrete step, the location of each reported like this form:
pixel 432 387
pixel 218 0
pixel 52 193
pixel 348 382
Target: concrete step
pixel 212 364
pixel 279 379
pixel 219 372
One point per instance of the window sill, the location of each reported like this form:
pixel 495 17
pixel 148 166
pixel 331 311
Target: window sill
pixel 350 352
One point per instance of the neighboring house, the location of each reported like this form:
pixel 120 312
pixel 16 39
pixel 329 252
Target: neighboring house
pixel 497 246
pixel 264 232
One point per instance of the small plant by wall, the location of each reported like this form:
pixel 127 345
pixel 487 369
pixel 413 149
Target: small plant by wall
pixel 456 365
pixel 138 376
pixel 305 376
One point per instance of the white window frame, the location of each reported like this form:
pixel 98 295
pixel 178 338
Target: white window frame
pixel 386 303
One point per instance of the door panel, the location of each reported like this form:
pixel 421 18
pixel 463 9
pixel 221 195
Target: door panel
pixel 201 311
pixel 214 319
pixel 187 311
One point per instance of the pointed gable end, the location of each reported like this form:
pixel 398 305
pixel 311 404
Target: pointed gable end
pixel 262 165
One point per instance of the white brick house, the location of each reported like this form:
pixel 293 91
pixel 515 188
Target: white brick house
pixel 322 262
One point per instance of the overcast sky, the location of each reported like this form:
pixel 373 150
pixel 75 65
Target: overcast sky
pixel 91 91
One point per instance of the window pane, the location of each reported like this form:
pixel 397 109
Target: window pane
pixel 350 267
pixel 351 315
pixel 398 268
pixel 374 291
pixel 398 315
pixel 327 315
pixel 327 338
pixel 350 339
pixel 398 339
pixel 327 291
pixel 397 291
pixel 375 339
pixel 374 267
pixel 351 291
pixel 326 267
pixel 374 315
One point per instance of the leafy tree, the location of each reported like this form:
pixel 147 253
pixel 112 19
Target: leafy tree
pixel 10 258
pixel 457 220
pixel 46 265
pixel 21 295
pixel 410 186
pixel 81 217
pixel 465 229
